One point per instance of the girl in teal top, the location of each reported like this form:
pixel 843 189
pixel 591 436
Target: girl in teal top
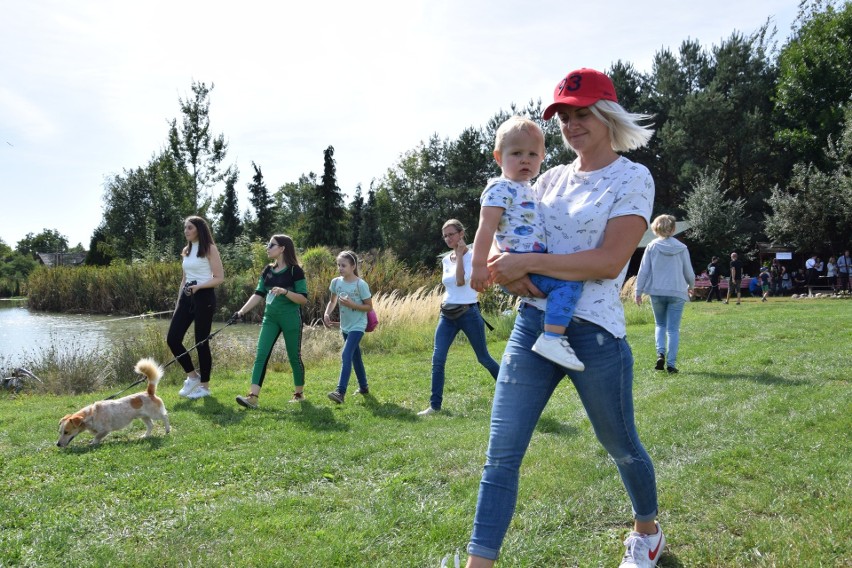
pixel 354 297
pixel 282 284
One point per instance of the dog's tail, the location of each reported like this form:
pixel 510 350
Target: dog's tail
pixel 152 370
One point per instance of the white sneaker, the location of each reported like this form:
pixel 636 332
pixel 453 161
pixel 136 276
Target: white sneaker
pixel 559 351
pixel 428 411
pixel 199 392
pixel 189 385
pixel 643 550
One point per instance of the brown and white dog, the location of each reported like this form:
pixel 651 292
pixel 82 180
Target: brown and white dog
pixel 106 416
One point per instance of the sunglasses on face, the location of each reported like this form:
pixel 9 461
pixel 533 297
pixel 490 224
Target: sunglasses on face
pixel 448 235
pixel 272 245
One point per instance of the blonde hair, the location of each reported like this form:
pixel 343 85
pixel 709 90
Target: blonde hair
pixel 663 226
pixel 513 126
pixel 454 223
pixel 625 132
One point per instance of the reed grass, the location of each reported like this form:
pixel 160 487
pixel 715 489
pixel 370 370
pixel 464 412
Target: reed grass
pixel 129 289
pixel 407 324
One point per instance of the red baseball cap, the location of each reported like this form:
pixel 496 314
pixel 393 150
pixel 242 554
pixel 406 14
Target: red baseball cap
pixel 581 88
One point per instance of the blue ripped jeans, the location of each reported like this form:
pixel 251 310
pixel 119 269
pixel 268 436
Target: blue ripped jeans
pixel 524 386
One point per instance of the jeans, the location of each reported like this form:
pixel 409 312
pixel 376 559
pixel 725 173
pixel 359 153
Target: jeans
pixel 474 328
pixel 198 308
pixel 351 357
pixel 667 313
pixel 524 386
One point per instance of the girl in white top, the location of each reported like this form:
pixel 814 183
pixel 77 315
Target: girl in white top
pixel 459 312
pixel 196 302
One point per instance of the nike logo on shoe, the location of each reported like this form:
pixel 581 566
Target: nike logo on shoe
pixel 652 554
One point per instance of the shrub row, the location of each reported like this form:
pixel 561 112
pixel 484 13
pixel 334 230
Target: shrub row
pixel 152 286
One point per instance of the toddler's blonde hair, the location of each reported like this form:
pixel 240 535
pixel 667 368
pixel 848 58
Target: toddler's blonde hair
pixel 513 126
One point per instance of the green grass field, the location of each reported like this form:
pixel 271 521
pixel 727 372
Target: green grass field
pixel 751 442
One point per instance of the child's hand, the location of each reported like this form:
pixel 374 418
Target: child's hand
pixel 480 278
pixel 327 321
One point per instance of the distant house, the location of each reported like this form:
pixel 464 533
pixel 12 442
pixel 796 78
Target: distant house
pixel 61 258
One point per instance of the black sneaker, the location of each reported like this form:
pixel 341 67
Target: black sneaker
pixel 671 370
pixel 336 397
pixel 661 362
pixel 365 390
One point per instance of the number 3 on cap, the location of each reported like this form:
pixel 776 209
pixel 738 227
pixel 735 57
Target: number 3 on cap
pixel 571 83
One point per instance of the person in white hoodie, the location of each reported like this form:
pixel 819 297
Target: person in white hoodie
pixel 666 275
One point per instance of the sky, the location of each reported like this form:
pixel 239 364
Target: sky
pixel 87 89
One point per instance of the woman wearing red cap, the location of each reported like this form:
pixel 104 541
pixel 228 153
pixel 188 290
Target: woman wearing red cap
pixel 596 210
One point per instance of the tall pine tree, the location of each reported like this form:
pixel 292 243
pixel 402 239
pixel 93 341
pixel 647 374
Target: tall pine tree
pixel 370 236
pixel 262 202
pixel 326 215
pixel 227 210
pixel 356 209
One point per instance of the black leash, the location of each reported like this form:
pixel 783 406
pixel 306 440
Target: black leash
pixel 208 338
pixel 485 321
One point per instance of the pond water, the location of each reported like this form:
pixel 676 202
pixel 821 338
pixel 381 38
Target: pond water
pixel 24 331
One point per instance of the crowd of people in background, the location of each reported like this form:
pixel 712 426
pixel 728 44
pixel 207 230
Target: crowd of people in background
pixel 779 278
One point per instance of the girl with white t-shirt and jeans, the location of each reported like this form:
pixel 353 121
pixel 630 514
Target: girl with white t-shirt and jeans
pixel 459 298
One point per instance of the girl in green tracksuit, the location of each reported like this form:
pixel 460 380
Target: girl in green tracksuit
pixel 283 285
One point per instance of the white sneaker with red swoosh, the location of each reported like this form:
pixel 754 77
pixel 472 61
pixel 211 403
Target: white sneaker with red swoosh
pixel 643 550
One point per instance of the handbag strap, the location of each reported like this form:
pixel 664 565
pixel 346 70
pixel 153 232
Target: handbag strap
pixel 485 321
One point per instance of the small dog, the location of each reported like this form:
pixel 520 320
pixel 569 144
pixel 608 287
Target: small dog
pixel 106 416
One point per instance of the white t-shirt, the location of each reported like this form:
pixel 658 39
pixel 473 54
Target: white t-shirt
pixel 454 293
pixel 196 269
pixel 576 207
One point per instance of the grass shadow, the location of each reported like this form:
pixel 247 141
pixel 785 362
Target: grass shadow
pixel 549 425
pixel 211 408
pixel 760 378
pixel 669 560
pixel 153 442
pixel 387 409
pixel 318 418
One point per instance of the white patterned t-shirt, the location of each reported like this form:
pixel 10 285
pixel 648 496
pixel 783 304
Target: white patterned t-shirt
pixel 521 228
pixel 576 207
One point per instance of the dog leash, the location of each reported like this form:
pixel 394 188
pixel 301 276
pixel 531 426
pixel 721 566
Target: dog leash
pixel 141 316
pixel 230 321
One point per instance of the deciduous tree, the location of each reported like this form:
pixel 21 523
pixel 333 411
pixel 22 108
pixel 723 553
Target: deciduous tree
pixel 814 79
pixel 196 149
pixel 813 212
pixel 48 240
pixel 718 224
